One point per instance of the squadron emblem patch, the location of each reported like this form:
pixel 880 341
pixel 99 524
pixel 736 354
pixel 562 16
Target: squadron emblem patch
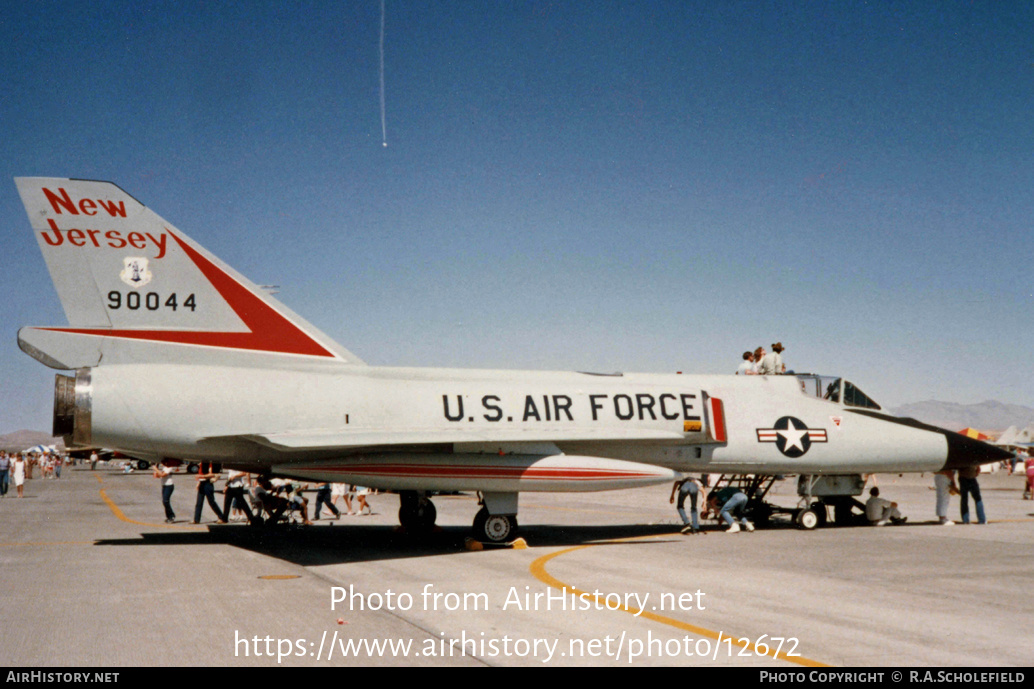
pixel 135 272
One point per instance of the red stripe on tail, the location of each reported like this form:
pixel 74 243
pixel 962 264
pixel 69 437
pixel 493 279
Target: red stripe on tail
pixel 268 330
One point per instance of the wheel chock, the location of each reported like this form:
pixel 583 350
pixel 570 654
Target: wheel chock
pixel 474 544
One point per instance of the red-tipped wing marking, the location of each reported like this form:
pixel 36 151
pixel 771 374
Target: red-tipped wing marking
pixel 268 330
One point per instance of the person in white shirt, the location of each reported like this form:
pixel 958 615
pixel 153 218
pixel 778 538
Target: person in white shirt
pixel 233 495
pixel 748 367
pixel 164 474
pixel 18 474
pixel 772 363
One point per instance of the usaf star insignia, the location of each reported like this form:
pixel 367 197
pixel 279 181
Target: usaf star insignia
pixel 792 436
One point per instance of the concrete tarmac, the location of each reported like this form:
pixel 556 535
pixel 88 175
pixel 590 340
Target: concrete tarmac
pixel 92 576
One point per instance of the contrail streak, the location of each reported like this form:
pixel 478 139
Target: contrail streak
pixel 384 123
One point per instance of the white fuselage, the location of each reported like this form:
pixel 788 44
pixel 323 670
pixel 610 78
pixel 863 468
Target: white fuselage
pixel 340 416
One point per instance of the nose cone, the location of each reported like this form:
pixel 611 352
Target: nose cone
pixel 965 452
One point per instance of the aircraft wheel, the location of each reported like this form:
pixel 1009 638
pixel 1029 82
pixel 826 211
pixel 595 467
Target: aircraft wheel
pixel 807 519
pixel 821 511
pixel 425 515
pixel 193 468
pixel 407 517
pixel 416 514
pixel 143 464
pixel 495 528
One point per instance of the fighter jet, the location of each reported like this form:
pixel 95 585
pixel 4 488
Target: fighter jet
pixel 178 356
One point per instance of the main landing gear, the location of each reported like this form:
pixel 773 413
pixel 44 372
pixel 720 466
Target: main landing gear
pixel 495 522
pixel 416 512
pixel 494 528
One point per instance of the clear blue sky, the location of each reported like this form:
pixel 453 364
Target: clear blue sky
pixel 637 186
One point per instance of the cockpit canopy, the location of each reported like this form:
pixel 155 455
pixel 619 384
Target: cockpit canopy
pixel 835 389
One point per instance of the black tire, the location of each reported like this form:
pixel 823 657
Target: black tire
pixel 822 512
pixel 416 515
pixel 498 528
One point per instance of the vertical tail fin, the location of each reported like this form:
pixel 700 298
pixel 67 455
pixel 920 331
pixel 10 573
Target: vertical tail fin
pixel 135 288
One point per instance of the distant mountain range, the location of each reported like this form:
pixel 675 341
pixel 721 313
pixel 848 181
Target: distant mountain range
pixel 987 416
pixel 20 440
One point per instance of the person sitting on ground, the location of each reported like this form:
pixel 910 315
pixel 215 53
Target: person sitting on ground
pixel 880 511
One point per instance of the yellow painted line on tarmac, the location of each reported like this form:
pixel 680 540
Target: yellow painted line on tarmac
pixel 122 516
pixel 538 570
